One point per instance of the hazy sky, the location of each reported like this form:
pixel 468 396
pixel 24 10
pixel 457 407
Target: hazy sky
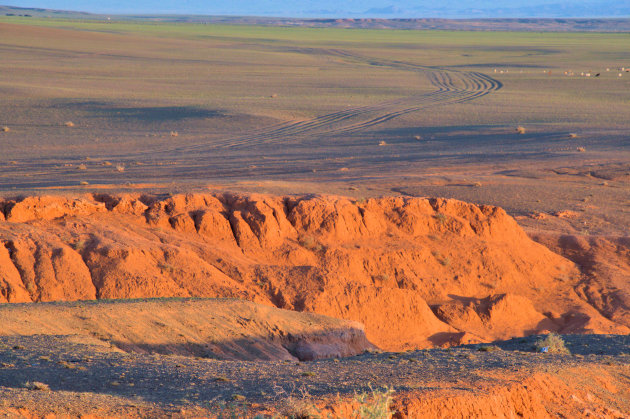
pixel 348 8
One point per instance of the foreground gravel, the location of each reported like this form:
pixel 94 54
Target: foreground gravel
pixel 97 376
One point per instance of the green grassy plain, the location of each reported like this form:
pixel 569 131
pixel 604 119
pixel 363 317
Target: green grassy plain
pixel 305 109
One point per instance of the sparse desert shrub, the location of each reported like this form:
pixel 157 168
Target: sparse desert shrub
pixel 296 406
pixel 488 348
pixel 299 408
pixel 235 409
pixel 309 242
pixel 520 130
pixel 79 245
pixel 69 124
pixel 166 267
pixel 30 287
pixel 36 385
pixel 553 344
pixel 381 278
pixel 440 217
pixel 375 404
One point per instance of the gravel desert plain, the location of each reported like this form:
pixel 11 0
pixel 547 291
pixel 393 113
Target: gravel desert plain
pixel 275 219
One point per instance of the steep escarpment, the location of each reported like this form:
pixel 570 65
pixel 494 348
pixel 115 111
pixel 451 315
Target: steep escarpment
pixel 417 272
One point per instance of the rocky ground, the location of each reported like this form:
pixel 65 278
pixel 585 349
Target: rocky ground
pixel 44 375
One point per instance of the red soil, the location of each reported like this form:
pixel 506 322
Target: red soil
pixel 225 329
pixel 575 392
pixel 417 272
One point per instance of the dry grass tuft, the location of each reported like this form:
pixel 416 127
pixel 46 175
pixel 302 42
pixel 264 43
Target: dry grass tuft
pixel 5 129
pixel 377 405
pixel 581 149
pixel 573 135
pixel 69 123
pixel 309 242
pixel 107 163
pixel 82 167
pixel 36 385
pixel 552 343
pixel 120 168
pixel 382 143
pixel 174 134
pixel 84 183
pixel 520 130
pixel 488 348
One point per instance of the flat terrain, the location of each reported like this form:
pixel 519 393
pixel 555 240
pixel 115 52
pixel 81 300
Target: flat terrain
pixel 296 110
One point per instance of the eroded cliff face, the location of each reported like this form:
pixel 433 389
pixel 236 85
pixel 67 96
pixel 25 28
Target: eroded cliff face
pixel 417 272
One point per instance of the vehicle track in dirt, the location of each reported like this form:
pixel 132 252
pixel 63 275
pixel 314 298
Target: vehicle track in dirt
pixel 453 86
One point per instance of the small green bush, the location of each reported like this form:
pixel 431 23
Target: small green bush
pixel 376 405
pixel 553 343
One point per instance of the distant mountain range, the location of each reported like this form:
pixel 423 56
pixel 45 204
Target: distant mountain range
pixel 458 9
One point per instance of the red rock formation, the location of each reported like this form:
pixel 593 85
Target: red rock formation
pixel 390 263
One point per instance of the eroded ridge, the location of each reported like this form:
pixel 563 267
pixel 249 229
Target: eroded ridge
pixel 417 272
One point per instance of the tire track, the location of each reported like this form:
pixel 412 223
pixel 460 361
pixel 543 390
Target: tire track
pixel 452 86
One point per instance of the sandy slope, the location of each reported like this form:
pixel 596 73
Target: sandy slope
pixel 417 272
pixel 218 329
